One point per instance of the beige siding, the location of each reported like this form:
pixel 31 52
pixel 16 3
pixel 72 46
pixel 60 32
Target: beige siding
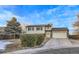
pixel 36 31
pixel 48 28
pixel 48 34
pixel 59 34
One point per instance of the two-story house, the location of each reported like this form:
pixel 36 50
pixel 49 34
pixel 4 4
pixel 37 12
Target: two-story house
pixel 37 29
pixel 48 30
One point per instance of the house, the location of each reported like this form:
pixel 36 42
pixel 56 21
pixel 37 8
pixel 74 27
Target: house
pixel 48 30
pixel 2 29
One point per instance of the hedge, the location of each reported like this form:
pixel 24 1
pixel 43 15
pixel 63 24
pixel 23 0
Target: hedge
pixel 31 40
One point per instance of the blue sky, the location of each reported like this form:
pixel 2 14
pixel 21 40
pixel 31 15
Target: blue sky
pixel 58 15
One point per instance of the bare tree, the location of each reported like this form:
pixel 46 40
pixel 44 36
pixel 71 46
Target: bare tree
pixel 76 26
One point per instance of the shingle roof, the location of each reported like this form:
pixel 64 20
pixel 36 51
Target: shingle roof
pixel 60 29
pixel 39 25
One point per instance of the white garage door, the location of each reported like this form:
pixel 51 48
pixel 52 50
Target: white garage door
pixel 59 34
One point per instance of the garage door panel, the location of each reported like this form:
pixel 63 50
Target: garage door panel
pixel 59 35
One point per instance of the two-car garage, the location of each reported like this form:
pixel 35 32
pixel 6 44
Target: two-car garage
pixel 59 33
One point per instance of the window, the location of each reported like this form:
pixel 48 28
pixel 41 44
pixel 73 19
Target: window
pixel 39 28
pixel 30 28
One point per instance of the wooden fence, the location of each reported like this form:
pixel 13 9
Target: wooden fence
pixel 74 36
pixel 9 36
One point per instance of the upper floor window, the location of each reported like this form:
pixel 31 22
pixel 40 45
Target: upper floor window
pixel 30 28
pixel 39 28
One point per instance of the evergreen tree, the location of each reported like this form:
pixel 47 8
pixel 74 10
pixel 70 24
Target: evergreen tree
pixel 13 26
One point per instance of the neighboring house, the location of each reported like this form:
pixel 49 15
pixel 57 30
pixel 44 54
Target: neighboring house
pixel 48 31
pixel 2 29
pixel 23 28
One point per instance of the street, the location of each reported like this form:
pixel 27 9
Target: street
pixel 74 50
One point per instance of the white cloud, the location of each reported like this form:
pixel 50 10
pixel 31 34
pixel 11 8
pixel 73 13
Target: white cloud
pixel 55 16
pixel 7 15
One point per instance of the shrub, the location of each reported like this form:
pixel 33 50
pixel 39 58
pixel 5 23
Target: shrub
pixel 31 40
